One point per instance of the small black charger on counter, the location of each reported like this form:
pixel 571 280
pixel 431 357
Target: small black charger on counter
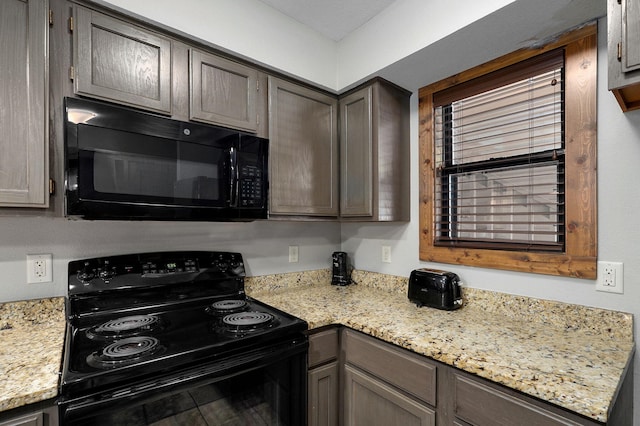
pixel 435 289
pixel 341 270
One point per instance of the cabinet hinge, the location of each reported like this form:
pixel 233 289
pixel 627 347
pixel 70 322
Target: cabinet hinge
pixel 50 17
pixel 619 51
pixel 72 73
pixel 71 23
pixel 52 187
pixel 257 85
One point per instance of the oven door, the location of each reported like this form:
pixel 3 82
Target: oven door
pixel 262 387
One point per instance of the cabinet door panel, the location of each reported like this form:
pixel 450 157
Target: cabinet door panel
pixel 119 62
pixel 356 154
pixel 223 92
pixel 369 402
pixel 631 35
pixel 35 419
pixel 323 395
pixel 24 163
pixel 303 150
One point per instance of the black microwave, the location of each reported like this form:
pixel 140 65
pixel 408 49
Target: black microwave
pixel 125 164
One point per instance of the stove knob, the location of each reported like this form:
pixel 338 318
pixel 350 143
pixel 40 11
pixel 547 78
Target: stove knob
pixel 237 267
pixel 106 275
pixel 86 274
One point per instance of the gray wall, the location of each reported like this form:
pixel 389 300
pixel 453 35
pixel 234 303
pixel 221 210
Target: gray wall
pixel 264 246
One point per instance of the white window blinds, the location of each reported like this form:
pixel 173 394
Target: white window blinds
pixel 500 159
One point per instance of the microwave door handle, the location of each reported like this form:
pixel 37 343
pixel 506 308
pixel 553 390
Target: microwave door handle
pixel 233 180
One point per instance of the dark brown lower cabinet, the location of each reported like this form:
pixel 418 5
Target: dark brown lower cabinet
pixel 358 380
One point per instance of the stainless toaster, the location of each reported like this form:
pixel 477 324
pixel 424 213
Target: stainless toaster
pixel 435 288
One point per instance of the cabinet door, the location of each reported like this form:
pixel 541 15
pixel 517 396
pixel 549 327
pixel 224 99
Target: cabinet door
pixel 630 35
pixel 34 419
pixel 356 153
pixel 370 402
pixel 223 92
pixel 323 395
pixel 24 162
pixel 303 150
pixel 120 62
pixel 374 154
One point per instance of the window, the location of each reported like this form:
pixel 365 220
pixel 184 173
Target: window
pixel 508 162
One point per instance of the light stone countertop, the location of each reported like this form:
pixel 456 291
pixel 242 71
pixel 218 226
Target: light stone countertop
pixel 31 345
pixel 569 355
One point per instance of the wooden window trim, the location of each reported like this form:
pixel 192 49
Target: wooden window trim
pixel 580 256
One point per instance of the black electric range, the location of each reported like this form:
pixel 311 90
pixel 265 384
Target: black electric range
pixel 142 326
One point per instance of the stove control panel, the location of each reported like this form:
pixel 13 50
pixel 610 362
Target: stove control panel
pixel 169 266
pixel 139 270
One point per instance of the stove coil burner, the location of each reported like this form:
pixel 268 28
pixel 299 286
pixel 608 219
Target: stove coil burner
pixel 125 352
pixel 226 307
pixel 124 327
pixel 246 322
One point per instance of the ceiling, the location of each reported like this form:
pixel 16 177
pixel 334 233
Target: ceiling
pixel 334 19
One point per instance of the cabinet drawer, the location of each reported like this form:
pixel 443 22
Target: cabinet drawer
pixel 482 405
pixel 403 369
pixel 323 347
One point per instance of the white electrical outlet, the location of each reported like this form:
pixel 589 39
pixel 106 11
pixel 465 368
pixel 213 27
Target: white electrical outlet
pixel 39 268
pixel 293 254
pixel 610 277
pixel 386 254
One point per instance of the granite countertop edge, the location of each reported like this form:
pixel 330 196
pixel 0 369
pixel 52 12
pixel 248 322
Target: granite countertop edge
pixel 32 334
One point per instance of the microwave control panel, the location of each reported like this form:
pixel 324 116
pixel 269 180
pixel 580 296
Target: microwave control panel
pixel 251 188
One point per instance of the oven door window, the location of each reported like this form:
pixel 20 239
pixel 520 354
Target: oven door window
pixel 124 167
pixel 271 394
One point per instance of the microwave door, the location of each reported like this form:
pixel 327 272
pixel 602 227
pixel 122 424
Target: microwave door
pixel 128 174
pixel 121 167
pixel 201 174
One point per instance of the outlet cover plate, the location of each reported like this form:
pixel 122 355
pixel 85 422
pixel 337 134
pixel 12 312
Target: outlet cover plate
pixel 39 268
pixel 610 277
pixel 293 254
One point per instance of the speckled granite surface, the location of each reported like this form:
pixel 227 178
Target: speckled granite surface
pixel 569 355
pixel 32 336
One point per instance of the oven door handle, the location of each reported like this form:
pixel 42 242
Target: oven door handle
pixel 77 409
